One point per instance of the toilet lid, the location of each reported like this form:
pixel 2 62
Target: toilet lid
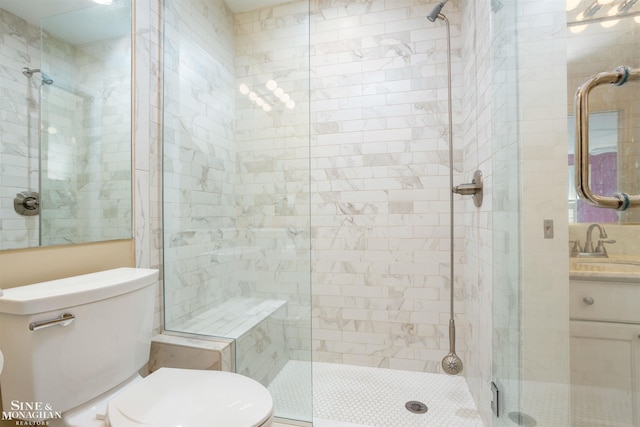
pixel 191 398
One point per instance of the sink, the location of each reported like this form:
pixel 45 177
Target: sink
pixel 605 268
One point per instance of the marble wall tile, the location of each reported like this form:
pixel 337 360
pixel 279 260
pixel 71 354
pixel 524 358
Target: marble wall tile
pixel 380 179
pixel 147 146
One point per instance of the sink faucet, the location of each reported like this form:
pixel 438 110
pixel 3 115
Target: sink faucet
pixel 587 250
pixel 588 243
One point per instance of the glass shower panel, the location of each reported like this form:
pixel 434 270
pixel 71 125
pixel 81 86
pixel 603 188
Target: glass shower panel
pixel 604 267
pixel 507 324
pixel 236 188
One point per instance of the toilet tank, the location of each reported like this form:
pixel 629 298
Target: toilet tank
pixel 65 363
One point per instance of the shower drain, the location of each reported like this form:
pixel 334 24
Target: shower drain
pixel 416 407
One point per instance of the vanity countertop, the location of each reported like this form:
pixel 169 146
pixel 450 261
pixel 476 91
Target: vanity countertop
pixel 619 268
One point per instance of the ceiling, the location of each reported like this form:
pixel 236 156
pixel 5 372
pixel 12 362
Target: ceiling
pixel 76 21
pixel 34 10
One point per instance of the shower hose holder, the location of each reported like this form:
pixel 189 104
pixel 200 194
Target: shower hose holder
pixel 474 188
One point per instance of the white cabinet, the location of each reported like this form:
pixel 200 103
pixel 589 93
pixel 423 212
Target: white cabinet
pixel 605 354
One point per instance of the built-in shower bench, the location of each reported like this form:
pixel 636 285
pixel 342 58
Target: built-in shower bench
pixel 243 334
pixel 233 318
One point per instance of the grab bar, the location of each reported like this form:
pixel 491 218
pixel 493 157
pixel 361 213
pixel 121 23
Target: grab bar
pixel 62 320
pixel 619 201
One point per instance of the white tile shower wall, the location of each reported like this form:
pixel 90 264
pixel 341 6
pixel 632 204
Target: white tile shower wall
pixel 19 110
pixel 380 192
pixel 147 145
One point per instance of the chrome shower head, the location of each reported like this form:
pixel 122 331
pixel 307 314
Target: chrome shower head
pixel 452 364
pixel 29 72
pixel 46 79
pixel 436 11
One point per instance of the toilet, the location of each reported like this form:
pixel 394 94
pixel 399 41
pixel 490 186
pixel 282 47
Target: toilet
pixel 72 352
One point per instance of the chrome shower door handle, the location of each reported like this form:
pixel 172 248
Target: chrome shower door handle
pixel 619 201
pixel 63 320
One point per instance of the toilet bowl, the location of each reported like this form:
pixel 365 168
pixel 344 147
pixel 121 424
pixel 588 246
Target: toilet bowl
pixel 75 346
pixel 191 398
pixel 177 397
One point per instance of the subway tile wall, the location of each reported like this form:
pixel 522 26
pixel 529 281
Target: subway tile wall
pixel 380 191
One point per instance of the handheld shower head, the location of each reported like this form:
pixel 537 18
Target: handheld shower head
pixel 436 11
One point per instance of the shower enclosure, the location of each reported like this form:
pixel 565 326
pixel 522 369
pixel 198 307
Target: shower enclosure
pixel 305 155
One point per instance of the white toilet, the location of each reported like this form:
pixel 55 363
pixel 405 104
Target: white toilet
pixel 73 348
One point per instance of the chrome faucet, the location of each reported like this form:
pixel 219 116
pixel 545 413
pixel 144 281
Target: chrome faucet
pixel 588 250
pixel 588 243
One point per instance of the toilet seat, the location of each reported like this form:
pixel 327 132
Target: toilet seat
pixel 192 398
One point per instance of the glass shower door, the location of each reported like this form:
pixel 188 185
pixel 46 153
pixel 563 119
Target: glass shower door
pixel 604 267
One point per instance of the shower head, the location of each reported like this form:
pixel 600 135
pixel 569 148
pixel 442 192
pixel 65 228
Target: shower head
pixel 29 72
pixel 46 79
pixel 436 11
pixel 452 364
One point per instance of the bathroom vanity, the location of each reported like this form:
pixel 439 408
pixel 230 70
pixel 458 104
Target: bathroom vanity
pixel 605 340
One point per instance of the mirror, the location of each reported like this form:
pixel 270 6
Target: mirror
pixel 602 36
pixel 65 122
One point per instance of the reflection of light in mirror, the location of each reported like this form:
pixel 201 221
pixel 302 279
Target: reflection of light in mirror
pixel 577 28
pixel 291 105
pixel 580 16
pixel 605 1
pixel 272 85
pixel 637 19
pixel 103 1
pixel 612 12
pixel 609 24
pixel 278 92
pixel 572 4
pixel 253 96
pixel 51 130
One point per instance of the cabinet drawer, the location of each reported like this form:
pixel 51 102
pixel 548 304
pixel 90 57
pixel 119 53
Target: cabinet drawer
pixel 609 302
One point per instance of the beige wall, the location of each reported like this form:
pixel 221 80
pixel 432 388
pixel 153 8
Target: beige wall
pixel 25 266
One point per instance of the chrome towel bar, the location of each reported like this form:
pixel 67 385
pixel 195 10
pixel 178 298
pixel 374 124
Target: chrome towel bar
pixel 619 201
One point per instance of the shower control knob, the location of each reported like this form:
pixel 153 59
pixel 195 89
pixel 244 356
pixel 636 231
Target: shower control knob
pixel 27 203
pixel 588 300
